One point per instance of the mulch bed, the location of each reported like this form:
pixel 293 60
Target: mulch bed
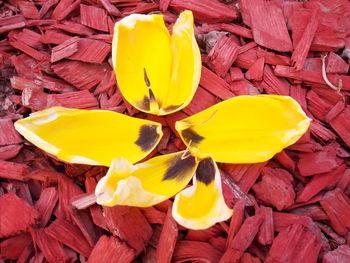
pixel 294 208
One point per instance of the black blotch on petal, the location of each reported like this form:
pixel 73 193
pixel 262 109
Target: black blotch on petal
pixel 179 167
pixel 148 137
pixel 191 135
pixel 144 104
pixel 205 171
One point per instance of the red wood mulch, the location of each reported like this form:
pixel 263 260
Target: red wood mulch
pixel 294 208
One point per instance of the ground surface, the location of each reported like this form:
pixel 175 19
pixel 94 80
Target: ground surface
pixel 294 208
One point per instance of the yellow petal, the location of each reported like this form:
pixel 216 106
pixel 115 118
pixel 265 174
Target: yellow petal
pixel 202 205
pixel 93 137
pixel 186 65
pixel 156 73
pixel 244 129
pixel 147 183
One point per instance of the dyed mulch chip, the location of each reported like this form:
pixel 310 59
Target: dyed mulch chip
pixel 294 208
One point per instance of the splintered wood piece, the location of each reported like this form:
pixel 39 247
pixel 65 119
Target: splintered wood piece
pixel 16 215
pixel 94 17
pixel 69 235
pixel 46 204
pixel 341 254
pixel 64 50
pixel 337 207
pixel 318 162
pixel 30 37
pixel 195 251
pixel 335 64
pixel 75 28
pixel 294 243
pixel 269 26
pixel 11 248
pixel 342 126
pixel 110 249
pixel 8 134
pixel 223 54
pixel 153 215
pixel 266 232
pixel 215 85
pixel 273 84
pixel 52 250
pixel 81 75
pixel 320 182
pixel 202 100
pixel 243 239
pixel 275 188
pixel 38 55
pixel 9 151
pixel 167 239
pixel 11 170
pixel 129 225
pixel 302 48
pixel 236 221
pixel 255 72
pixel 311 76
pixel 209 11
pixel 78 99
pixel 313 211
pixel 110 8
pixel 64 8
pixel 53 37
pixel 28 9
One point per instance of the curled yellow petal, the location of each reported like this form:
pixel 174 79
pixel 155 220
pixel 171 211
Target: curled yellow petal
pixel 93 137
pixel 244 129
pixel 202 205
pixel 156 72
pixel 147 183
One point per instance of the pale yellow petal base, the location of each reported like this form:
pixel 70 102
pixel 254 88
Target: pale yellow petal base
pixel 201 205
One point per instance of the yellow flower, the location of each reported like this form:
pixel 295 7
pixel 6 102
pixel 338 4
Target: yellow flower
pixel 159 74
pixel 156 72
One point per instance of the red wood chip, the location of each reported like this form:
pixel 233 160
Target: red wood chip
pixel 206 10
pixel 77 99
pixel 266 233
pixel 81 75
pixel 12 247
pixel 341 125
pixel 195 251
pixel 16 215
pixel 236 221
pixel 12 170
pixel 223 54
pixel 94 17
pixel 318 162
pixel 320 182
pixel 64 8
pixel 9 151
pixel 202 100
pixel 215 85
pixel 335 64
pixel 302 48
pixel 268 25
pixel 243 239
pixel 110 249
pixel 255 72
pixel 8 134
pixel 341 254
pixel 128 224
pixel 294 244
pixel 337 207
pixel 64 50
pixel 28 9
pixel 69 235
pixel 167 239
pixel 46 204
pixel 52 250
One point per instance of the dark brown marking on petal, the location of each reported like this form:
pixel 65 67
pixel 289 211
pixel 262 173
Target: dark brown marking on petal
pixel 191 136
pixel 179 167
pixel 144 104
pixel 205 171
pixel 148 137
pixel 148 83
